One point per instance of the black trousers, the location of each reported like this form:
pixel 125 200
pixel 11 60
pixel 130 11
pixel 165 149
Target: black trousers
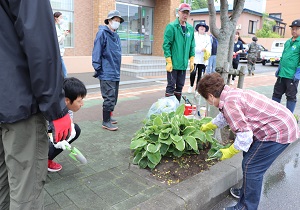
pixel 235 65
pixel 199 68
pixel 176 80
pixel 287 87
pixel 53 152
pixel 109 92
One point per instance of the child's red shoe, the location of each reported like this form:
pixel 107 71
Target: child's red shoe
pixel 53 166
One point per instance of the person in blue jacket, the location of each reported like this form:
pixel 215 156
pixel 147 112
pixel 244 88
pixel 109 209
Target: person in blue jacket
pixel 106 60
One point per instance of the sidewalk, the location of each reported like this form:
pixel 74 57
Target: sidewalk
pixel 110 181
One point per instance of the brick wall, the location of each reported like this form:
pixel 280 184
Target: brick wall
pixel 83 25
pixel 164 12
pixel 88 15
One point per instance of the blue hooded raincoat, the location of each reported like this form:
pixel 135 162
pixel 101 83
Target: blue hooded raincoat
pixel 107 53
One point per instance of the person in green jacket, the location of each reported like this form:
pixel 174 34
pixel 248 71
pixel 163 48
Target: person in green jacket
pixel 288 73
pixel 179 49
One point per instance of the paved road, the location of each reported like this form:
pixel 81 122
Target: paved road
pixel 281 184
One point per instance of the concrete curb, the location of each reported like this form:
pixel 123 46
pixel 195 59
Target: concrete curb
pixel 202 191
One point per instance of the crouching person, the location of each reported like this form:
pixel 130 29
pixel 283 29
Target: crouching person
pixel 75 92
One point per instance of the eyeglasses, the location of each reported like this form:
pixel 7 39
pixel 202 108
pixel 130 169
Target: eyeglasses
pixel 295 29
pixel 186 12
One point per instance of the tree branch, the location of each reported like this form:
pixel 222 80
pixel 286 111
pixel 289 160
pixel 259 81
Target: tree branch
pixel 212 18
pixel 238 7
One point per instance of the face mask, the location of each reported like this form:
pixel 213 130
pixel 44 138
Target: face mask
pixel 61 21
pixel 114 25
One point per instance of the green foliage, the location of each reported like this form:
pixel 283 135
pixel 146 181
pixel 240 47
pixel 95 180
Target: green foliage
pixel 197 4
pixel 169 134
pixel 267 29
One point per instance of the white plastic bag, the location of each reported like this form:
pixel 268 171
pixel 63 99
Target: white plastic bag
pixel 166 104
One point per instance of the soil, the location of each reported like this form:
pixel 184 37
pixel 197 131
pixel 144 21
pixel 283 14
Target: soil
pixel 173 170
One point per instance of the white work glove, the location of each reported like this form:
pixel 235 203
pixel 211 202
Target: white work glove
pixel 62 145
pixel 73 133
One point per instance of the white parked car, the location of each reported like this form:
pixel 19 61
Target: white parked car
pixel 274 55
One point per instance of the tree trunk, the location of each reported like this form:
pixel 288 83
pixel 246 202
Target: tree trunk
pixel 225 36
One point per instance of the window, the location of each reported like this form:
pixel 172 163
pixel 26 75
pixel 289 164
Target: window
pixel 66 7
pixel 276 15
pixel 252 27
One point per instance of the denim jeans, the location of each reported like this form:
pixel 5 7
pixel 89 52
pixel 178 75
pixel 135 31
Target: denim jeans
pixel 211 67
pixel 255 163
pixel 64 69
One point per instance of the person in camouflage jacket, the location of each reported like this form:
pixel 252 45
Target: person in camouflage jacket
pixel 252 56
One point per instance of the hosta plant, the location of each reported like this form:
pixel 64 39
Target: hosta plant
pixel 170 134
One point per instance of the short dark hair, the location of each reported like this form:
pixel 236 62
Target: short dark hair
pixel 74 88
pixel 57 14
pixel 211 83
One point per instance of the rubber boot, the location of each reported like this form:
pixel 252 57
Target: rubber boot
pixel 178 95
pixel 276 99
pixel 106 124
pixel 291 105
pixel 112 120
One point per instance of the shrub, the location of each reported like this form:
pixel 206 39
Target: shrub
pixel 171 134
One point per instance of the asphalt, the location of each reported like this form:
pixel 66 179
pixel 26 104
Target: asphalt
pixel 109 180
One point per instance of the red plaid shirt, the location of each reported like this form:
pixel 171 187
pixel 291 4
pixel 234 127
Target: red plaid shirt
pixel 247 110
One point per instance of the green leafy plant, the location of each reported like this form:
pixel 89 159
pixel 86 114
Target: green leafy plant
pixel 169 134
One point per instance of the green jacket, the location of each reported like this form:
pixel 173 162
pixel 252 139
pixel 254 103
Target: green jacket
pixel 178 45
pixel 290 59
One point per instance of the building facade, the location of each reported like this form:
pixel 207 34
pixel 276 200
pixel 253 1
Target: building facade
pixel 285 10
pixel 141 33
pixel 247 25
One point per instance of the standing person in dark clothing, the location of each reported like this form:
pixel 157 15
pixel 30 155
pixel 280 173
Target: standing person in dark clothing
pixel 31 92
pixel 237 49
pixel 211 67
pixel 179 49
pixel 288 73
pixel 106 58
pixel 252 56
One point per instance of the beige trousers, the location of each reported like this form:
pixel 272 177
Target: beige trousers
pixel 23 163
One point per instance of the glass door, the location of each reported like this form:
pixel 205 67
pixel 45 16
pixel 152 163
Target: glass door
pixel 147 32
pixel 136 32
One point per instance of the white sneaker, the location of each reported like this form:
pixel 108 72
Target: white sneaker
pixel 232 82
pixel 190 90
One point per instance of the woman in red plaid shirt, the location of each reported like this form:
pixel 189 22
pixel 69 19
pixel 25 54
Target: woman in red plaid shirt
pixel 263 128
